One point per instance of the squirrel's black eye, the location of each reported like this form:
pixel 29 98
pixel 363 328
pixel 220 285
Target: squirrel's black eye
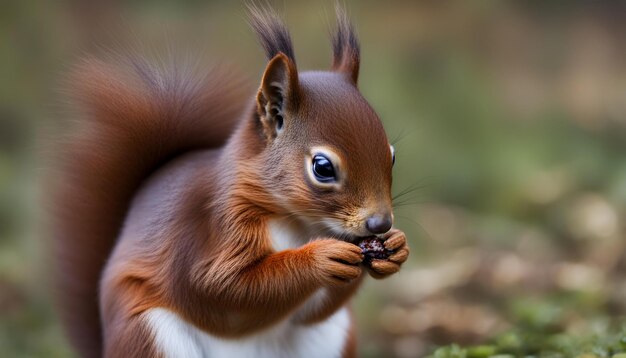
pixel 323 169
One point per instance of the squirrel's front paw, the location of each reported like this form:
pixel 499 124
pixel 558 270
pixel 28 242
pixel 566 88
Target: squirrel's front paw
pixel 336 262
pixel 394 242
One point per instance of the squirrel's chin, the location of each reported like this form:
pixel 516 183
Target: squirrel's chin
pixel 336 230
pixel 350 237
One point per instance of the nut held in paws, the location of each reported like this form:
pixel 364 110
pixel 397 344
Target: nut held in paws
pixel 373 248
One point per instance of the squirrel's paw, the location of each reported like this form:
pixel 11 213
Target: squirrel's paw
pixel 337 262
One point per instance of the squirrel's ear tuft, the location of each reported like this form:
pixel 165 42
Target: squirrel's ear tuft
pixel 279 92
pixel 346 49
pixel 271 31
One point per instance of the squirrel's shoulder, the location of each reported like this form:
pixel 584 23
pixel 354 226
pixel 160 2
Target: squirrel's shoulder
pixel 172 191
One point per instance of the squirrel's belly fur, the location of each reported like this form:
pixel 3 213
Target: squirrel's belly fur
pixel 176 338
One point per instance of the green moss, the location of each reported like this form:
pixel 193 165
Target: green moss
pixel 540 344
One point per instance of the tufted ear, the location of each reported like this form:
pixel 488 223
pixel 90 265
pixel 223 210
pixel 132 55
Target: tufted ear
pixel 278 94
pixel 346 48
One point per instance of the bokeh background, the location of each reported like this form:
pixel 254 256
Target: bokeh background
pixel 509 121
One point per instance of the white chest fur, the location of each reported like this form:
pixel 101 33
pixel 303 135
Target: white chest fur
pixel 175 337
pixel 286 234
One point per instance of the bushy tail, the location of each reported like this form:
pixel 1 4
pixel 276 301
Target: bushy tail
pixel 134 117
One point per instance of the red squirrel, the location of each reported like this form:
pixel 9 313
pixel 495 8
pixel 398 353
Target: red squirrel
pixel 195 221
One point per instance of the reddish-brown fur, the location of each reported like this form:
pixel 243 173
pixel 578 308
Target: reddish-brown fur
pixel 168 192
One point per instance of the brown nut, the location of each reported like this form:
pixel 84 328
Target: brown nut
pixel 373 248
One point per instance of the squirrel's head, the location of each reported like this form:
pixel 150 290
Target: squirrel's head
pixel 327 160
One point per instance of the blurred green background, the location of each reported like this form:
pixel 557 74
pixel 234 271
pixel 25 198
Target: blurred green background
pixel 510 129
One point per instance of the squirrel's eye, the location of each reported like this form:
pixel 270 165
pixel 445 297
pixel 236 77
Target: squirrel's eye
pixel 393 154
pixel 323 169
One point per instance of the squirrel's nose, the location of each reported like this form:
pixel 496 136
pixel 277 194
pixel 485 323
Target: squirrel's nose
pixel 378 224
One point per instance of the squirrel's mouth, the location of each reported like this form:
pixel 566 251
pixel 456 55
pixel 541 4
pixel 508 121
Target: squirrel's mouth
pixel 338 230
pixel 350 237
pixel 353 239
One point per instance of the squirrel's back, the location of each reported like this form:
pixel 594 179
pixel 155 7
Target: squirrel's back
pixel 134 118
